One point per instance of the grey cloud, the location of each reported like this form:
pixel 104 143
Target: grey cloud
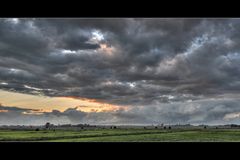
pixel 206 111
pixel 16 109
pixel 153 60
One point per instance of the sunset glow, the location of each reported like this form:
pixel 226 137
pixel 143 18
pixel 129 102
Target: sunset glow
pixel 46 104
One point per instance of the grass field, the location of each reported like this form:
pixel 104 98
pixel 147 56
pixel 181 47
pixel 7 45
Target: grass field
pixel 124 135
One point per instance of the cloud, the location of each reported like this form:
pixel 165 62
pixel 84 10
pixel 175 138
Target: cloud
pixel 215 110
pixel 138 62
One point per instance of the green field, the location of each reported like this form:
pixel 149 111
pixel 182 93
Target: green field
pixel 124 135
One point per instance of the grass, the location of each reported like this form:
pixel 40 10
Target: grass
pixel 124 135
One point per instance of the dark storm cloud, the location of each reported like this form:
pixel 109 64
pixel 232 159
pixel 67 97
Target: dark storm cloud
pixel 122 61
pixel 74 43
pixel 14 109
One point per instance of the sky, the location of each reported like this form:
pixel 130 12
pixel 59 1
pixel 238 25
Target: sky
pixel 119 71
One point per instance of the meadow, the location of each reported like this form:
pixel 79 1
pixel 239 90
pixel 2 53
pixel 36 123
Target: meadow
pixel 122 135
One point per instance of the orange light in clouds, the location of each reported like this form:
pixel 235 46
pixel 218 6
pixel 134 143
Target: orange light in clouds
pixel 3 111
pixel 81 98
pixel 96 105
pixel 107 49
pixel 47 104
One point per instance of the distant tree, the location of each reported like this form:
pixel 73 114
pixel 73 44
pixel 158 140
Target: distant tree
pixel 37 129
pixel 114 127
pixel 47 125
pixel 169 127
pixel 164 127
pixel 156 127
pixel 205 127
pixel 144 127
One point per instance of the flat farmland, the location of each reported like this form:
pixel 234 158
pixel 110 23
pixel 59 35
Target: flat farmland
pixel 122 135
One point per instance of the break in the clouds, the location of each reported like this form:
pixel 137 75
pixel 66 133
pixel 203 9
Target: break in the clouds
pixel 164 70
